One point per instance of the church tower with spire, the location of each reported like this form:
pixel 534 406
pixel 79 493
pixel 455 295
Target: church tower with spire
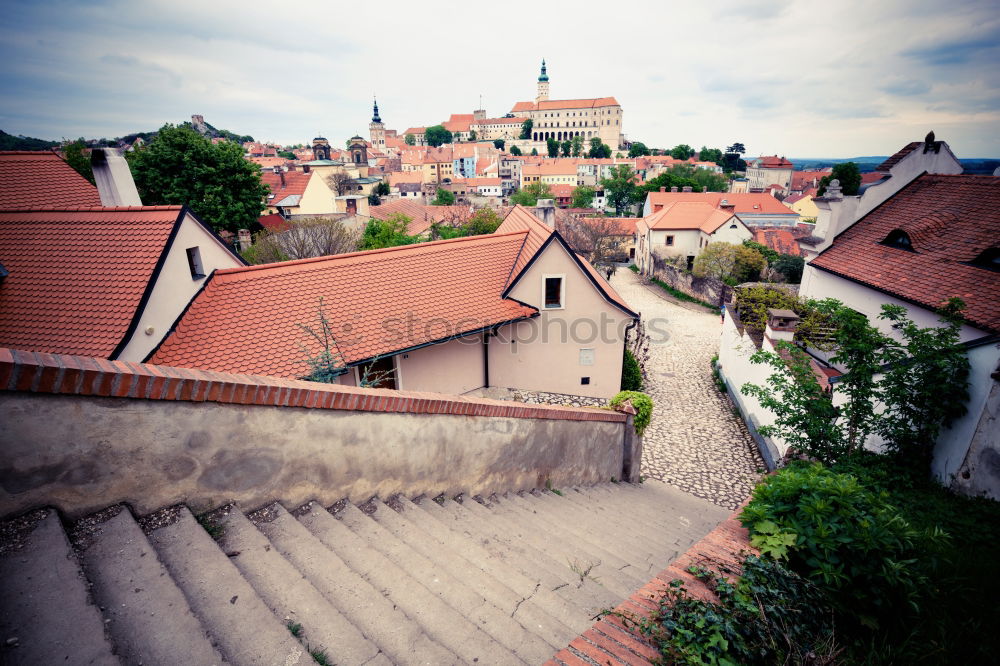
pixel 543 85
pixel 377 130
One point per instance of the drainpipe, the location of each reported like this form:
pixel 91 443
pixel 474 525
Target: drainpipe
pixel 486 359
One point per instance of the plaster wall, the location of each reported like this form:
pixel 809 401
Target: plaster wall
pixel 318 198
pixel 175 287
pixel 80 454
pixel 454 367
pixel 546 354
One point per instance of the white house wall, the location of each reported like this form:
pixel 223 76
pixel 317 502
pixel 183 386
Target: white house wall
pixel 175 288
pixel 454 367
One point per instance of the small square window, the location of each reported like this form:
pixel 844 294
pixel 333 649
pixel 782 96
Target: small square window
pixel 194 263
pixel 584 380
pixel 670 240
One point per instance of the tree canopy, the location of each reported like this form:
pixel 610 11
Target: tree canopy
pixel 483 221
pixel 638 149
pixel 499 144
pixel 77 156
pixel 682 152
pixel 737 147
pixel 443 198
pixel 849 176
pixel 514 150
pixel 687 175
pixel 410 140
pixel 181 166
pixel 437 135
pixel 526 127
pixel 620 188
pixel 710 155
pixel 599 149
pixel 577 142
pixel 583 197
pixel 552 145
pixel 387 233
pixel 531 193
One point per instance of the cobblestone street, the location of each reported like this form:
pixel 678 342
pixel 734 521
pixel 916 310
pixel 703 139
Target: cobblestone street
pixel 694 441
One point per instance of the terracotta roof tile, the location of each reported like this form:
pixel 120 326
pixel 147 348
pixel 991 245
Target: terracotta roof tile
pixel 77 276
pixel 42 179
pixel 680 215
pixel 421 216
pixel 900 154
pixel 744 202
pixel 553 104
pixel 295 185
pixel 780 240
pixel 248 320
pixel 950 221
pixel 772 162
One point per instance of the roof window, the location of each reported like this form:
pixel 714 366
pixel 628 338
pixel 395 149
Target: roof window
pixel 900 240
pixel 988 259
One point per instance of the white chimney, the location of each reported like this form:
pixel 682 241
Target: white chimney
pixel 113 178
pixel 545 210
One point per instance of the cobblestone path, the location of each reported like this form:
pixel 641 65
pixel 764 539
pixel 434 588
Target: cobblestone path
pixel 694 441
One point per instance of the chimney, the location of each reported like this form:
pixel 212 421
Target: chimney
pixel 305 168
pixel 686 188
pixel 673 189
pixel 113 178
pixel 725 204
pixel 280 174
pixel 833 190
pixel 545 210
pixel 243 240
pixel 663 189
pixel 781 325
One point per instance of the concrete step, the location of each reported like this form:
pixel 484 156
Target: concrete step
pixel 245 630
pixel 146 609
pixel 675 512
pixel 474 602
pixel 574 531
pixel 579 559
pixel 292 598
pixel 627 535
pixel 521 608
pixel 44 606
pixel 478 558
pixel 440 621
pixel 503 538
pixel 382 622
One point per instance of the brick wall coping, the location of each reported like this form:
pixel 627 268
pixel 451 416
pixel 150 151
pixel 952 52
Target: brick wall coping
pixel 613 641
pixel 39 372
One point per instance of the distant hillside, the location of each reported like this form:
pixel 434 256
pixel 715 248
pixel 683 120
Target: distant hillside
pixel 973 165
pixel 11 142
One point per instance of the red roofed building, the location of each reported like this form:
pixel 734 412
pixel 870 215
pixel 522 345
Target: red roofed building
pixel 684 228
pixel 295 193
pixel 780 240
pixel 765 171
pixel 41 179
pixel 104 282
pixel 456 316
pixel 938 237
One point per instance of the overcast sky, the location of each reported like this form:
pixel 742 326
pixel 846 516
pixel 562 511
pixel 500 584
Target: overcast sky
pixel 801 79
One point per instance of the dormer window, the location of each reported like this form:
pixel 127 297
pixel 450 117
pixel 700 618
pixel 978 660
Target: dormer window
pixel 900 240
pixel 988 259
pixel 554 292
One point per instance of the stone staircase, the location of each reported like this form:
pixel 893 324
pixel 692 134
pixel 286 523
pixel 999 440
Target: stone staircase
pixel 508 580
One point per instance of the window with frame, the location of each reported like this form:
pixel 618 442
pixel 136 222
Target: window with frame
pixel 670 240
pixel 194 263
pixel 553 292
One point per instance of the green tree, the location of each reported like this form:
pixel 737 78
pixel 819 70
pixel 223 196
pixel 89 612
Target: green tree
pixel 790 266
pixel 410 140
pixel 526 128
pixel 182 167
pixel 534 152
pixel 682 151
pixel 768 253
pixel 483 221
pixel 514 150
pixel 374 199
pixel 577 145
pixel 77 156
pixel 849 176
pixel 716 260
pixel 737 148
pixel 443 198
pixel 598 149
pixel 583 197
pixel 287 154
pixel 638 149
pixel 748 264
pixel 710 155
pixel 499 144
pixel 387 233
pixel 620 188
pixel 382 189
pixel 437 135
pixel 472 135
pixel 552 145
pixel 567 148
pixel 530 194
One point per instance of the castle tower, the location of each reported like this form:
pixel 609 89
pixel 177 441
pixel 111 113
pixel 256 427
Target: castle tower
pixel 321 148
pixel 377 130
pixel 543 85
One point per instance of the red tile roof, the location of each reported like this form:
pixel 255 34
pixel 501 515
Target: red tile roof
pixel 681 215
pixel 950 221
pixel 744 202
pixel 900 154
pixel 42 179
pixel 273 222
pixel 772 162
pixel 295 184
pixel 421 216
pixel 554 104
pixel 780 240
pixel 249 320
pixel 77 277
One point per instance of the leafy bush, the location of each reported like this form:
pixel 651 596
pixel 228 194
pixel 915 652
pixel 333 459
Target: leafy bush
pixel 631 373
pixel 769 615
pixel 643 408
pixel 848 539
